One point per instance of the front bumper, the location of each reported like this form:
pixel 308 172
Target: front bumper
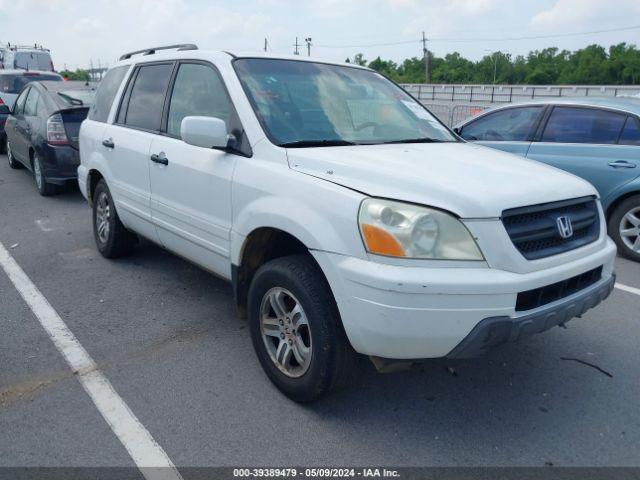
pixel 495 331
pixel 400 312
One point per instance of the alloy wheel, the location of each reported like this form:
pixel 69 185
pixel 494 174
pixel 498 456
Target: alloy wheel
pixel 37 172
pixel 103 217
pixel 285 332
pixel 630 229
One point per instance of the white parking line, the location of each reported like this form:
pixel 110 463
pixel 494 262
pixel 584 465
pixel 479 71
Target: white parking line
pixel 148 456
pixel 627 288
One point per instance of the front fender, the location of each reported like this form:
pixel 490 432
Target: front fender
pixel 632 186
pixel 327 229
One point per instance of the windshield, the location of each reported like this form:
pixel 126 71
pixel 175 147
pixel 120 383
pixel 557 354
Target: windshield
pixel 303 104
pixel 14 83
pixel 78 97
pixel 33 61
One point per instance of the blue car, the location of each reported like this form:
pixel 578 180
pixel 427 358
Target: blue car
pixel 597 139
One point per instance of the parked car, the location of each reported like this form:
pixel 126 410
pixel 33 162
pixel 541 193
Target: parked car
pixel 30 57
pixel 597 139
pixel 11 82
pixel 42 131
pixel 346 216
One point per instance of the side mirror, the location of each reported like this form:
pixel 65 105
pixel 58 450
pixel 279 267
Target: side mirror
pixel 206 132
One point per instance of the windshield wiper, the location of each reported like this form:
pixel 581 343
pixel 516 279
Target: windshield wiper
pixel 316 143
pixel 415 140
pixel 70 99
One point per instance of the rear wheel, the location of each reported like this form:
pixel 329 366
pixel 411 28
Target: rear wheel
pixel 624 228
pixel 296 329
pixel 112 238
pixel 45 189
pixel 13 163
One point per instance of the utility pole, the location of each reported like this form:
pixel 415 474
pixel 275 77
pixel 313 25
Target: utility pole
pixel 265 44
pixel 296 52
pixel 308 40
pixel 425 53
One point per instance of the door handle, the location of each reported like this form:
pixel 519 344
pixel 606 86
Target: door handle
pixel 108 143
pixel 160 158
pixel 622 164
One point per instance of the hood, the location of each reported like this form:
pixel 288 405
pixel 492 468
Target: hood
pixel 469 180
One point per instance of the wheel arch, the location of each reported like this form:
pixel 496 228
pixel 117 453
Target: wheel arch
pixel 630 191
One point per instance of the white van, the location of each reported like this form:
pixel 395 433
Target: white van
pixel 25 58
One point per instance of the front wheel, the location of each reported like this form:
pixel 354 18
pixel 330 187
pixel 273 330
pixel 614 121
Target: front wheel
pixel 112 238
pixel 624 228
pixel 296 329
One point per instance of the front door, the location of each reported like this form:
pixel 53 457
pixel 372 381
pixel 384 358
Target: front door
pixel 509 129
pixel 191 186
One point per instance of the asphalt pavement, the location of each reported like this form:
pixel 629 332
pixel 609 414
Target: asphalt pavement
pixel 165 335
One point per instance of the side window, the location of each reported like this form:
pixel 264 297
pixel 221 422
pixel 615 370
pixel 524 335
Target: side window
pixel 198 90
pixel 106 93
pixel 147 97
pixel 582 125
pixel 30 106
pixel 41 107
pixel 510 124
pixel 18 109
pixel 631 132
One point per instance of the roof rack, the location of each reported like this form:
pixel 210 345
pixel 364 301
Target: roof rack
pixel 35 46
pixel 151 51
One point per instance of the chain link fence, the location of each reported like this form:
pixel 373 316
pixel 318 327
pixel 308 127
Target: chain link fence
pixel 431 93
pixel 451 115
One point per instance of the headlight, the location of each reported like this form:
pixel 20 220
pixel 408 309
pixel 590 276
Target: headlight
pixel 398 229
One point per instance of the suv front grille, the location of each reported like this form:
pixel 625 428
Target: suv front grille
pixel 535 232
pixel 550 293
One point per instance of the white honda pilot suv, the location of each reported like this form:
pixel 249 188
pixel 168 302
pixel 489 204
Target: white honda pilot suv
pixel 347 217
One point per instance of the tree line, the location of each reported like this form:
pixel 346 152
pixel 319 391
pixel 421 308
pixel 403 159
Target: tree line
pixel 592 65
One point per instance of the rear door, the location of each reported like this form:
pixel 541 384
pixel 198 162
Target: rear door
pixel 584 141
pixel 191 188
pixel 26 125
pixel 127 144
pixel 510 129
pixel 12 127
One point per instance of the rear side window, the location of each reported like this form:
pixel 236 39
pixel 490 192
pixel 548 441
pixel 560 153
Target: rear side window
pixel 106 93
pixel 198 90
pixel 510 124
pixel 31 105
pixel 19 105
pixel 583 125
pixel 13 83
pixel 146 101
pixel 631 132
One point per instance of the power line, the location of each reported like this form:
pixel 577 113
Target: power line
pixel 485 39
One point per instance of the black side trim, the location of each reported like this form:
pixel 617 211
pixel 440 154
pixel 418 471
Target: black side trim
pixel 494 331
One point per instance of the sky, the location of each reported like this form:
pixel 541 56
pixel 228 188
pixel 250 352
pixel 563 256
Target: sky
pixel 98 31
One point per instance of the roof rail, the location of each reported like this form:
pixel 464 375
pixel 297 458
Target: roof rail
pixel 35 46
pixel 151 51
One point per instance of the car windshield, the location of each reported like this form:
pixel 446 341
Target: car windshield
pixel 13 83
pixel 78 97
pixel 33 60
pixel 305 104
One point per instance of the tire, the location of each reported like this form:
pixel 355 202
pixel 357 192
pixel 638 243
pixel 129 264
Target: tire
pixel 330 362
pixel 626 217
pixel 13 163
pixel 112 238
pixel 45 189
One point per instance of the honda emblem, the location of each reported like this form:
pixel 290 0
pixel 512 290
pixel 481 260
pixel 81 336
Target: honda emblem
pixel 565 229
